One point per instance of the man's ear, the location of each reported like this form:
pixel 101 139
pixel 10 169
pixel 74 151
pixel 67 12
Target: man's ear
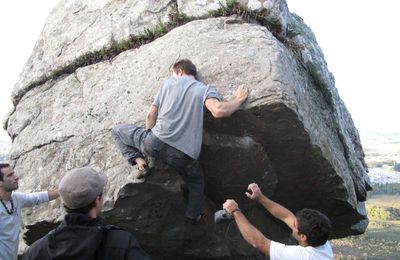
pixel 303 238
pixel 180 72
pixel 98 201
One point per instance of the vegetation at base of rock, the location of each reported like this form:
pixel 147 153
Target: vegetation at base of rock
pixel 382 213
pixel 386 188
pixel 382 238
pixel 380 164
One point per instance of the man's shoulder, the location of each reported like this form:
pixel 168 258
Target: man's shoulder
pixel 169 81
pixel 282 251
pixel 117 231
pixel 38 250
pixel 16 195
pixel 118 236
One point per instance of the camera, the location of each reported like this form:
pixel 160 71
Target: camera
pixel 222 216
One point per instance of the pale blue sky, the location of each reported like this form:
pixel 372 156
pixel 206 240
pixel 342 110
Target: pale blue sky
pixel 358 37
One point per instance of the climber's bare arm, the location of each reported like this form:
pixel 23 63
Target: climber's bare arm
pixel 250 233
pixel 277 210
pixel 151 117
pixel 226 108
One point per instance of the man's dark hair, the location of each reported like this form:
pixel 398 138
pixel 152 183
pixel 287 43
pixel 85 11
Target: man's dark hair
pixel 187 66
pixel 3 165
pixel 84 209
pixel 315 225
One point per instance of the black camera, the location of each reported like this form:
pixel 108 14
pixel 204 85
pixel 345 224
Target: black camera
pixel 222 216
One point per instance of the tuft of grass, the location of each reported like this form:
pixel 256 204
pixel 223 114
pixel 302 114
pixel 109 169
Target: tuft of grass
pixel 263 18
pixel 321 85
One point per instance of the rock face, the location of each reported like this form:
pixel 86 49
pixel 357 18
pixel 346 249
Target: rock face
pixel 294 136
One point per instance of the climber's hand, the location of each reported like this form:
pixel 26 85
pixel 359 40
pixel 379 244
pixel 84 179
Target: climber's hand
pixel 255 192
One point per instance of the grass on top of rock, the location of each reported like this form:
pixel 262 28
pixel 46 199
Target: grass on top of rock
pixel 263 18
pixel 176 19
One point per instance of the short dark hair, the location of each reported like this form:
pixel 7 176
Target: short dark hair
pixel 315 225
pixel 84 209
pixel 187 66
pixel 3 165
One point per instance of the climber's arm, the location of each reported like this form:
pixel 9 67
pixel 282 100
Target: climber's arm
pixel 277 210
pixel 53 194
pixel 151 117
pixel 226 108
pixel 250 233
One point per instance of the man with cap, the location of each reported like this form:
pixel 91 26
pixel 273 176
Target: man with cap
pixel 10 209
pixel 81 235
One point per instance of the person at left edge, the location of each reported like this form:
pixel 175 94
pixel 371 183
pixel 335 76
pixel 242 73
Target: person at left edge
pixel 10 210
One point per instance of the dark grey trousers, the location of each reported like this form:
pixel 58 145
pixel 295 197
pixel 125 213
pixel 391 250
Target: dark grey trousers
pixel 134 141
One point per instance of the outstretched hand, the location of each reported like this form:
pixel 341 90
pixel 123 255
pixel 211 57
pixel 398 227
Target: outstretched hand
pixel 230 206
pixel 256 193
pixel 241 93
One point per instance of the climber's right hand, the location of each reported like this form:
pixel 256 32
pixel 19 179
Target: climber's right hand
pixel 254 192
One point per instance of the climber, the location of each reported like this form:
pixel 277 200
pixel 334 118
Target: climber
pixel 174 129
pixel 10 210
pixel 81 235
pixel 310 228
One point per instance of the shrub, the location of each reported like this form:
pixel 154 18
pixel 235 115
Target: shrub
pixel 385 188
pixel 379 213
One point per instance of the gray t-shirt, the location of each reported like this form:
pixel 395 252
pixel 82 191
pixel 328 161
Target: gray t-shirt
pixel 180 103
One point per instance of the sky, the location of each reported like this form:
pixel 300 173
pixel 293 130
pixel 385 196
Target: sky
pixel 21 22
pixel 359 39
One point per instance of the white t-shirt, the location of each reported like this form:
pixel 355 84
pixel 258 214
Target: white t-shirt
pixel 280 251
pixel 10 224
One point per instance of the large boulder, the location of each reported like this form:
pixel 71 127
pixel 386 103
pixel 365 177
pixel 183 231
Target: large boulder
pixel 293 136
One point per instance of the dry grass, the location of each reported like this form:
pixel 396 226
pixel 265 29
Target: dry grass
pixel 380 241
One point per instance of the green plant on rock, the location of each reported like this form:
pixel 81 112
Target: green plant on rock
pixel 160 29
pixel 320 83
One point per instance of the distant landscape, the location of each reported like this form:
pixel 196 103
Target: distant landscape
pixel 382 155
pixel 382 238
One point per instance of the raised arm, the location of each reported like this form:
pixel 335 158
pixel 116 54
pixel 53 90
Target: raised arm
pixel 277 210
pixel 226 108
pixel 250 233
pixel 151 117
pixel 53 194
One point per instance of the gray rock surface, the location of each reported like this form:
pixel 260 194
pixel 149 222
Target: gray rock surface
pixel 76 27
pixel 293 136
